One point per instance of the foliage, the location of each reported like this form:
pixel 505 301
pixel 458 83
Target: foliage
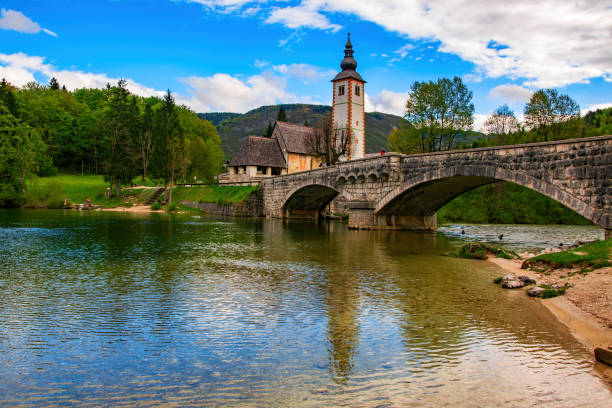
pixel 498 280
pixel 501 124
pixel 282 115
pixel 594 255
pixel 552 116
pixel 438 112
pixel 507 203
pixel 156 206
pixel 93 131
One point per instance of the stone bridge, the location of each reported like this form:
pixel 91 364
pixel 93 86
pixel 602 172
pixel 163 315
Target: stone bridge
pixel 397 191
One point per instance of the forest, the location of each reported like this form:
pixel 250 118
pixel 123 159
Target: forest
pixel 46 129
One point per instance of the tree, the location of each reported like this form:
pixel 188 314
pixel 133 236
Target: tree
pixel 500 124
pixel 282 115
pixel 168 143
pixel 53 84
pixel 145 138
pixel 552 116
pixel 121 152
pixel 328 142
pixel 438 111
pixel 19 146
pixel 404 139
pixel 269 130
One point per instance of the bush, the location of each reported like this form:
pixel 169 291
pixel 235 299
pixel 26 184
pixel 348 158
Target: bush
pixel 171 207
pixel 156 206
pixel 498 280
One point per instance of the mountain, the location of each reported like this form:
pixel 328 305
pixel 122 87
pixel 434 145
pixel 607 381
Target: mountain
pixel 233 128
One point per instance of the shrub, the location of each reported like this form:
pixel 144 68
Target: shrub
pixel 498 280
pixel 171 207
pixel 156 206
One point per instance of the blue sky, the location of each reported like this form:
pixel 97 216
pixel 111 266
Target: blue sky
pixel 235 55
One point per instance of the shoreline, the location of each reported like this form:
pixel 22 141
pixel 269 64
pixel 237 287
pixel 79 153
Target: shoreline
pixel 587 329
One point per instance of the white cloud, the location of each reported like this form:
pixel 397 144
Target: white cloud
pixel 387 102
pixel 219 92
pixel 593 108
pixel 223 92
pixel 306 15
pixel 403 51
pixel 551 43
pixel 21 68
pixel 17 21
pixel 304 72
pixel 261 63
pixel 511 93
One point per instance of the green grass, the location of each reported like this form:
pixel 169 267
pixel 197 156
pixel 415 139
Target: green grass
pixel 213 194
pixel 479 250
pixel 498 280
pixel 593 256
pixel 50 192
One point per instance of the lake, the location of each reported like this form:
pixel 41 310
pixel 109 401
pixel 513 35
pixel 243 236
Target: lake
pixel 121 309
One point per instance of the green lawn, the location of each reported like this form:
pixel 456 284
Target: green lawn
pixel 51 192
pixel 594 255
pixel 213 194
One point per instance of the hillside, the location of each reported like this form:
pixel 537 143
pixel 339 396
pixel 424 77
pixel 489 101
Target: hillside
pixel 233 127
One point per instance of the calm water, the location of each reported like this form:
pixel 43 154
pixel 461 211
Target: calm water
pixel 137 310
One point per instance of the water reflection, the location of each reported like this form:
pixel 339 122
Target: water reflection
pixel 111 309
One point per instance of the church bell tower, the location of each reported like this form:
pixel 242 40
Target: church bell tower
pixel 348 111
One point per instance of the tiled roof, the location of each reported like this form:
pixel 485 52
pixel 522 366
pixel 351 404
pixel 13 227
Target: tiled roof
pixel 259 151
pixel 295 137
pixel 347 73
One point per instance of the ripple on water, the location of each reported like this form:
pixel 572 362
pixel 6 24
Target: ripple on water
pixel 113 310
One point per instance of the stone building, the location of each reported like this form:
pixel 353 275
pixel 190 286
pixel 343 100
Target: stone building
pixel 287 151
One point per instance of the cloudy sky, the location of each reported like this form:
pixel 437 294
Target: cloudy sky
pixel 235 55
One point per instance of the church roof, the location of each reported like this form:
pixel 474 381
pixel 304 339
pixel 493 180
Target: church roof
pixel 259 151
pixel 294 137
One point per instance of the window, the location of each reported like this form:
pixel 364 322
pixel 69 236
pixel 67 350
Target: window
pixel 357 90
pixel 340 90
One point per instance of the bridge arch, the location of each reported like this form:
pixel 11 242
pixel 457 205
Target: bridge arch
pixel 309 199
pixel 425 194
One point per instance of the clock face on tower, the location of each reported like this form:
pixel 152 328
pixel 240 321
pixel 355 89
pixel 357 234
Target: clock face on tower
pixel 348 111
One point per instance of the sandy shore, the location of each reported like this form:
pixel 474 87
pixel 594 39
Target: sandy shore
pixel 134 209
pixel 586 308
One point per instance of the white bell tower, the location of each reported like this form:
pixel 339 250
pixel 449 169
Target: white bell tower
pixel 348 111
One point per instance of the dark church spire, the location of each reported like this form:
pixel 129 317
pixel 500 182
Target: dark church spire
pixel 348 63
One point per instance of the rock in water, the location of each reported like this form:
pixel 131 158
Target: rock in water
pixel 535 291
pixel 510 282
pixel 603 356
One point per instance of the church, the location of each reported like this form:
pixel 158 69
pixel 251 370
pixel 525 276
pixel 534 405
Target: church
pixel 287 150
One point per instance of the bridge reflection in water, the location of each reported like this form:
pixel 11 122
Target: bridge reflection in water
pixel 397 191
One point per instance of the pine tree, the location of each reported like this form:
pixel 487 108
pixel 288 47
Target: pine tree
pixel 168 143
pixel 282 115
pixel 53 84
pixel 269 129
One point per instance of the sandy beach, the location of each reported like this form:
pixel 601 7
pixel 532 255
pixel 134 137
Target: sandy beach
pixel 586 308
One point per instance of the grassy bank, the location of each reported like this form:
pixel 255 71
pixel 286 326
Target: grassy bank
pixel 213 194
pixel 50 192
pixel 507 203
pixel 590 256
